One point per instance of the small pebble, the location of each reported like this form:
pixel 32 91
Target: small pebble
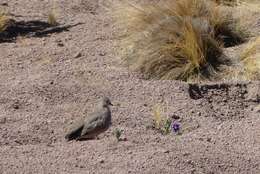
pixel 4 4
pixel 166 151
pixel 176 117
pixel 3 120
pixel 16 106
pixel 78 55
pixel 102 53
pixel 60 44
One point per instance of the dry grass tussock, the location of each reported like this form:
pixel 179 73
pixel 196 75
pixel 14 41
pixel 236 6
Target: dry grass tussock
pixel 236 2
pixel 162 123
pixel 176 39
pixel 250 58
pixel 248 13
pixel 52 18
pixel 4 22
pixel 228 2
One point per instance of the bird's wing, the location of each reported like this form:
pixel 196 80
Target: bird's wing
pixel 94 122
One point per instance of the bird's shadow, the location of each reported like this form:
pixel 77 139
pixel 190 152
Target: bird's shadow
pixel 86 139
pixel 34 28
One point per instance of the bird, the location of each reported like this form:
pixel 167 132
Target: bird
pixel 94 124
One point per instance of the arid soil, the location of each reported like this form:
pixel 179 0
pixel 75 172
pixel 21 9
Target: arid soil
pixel 49 81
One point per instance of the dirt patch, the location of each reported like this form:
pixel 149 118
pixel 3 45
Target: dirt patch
pixel 45 86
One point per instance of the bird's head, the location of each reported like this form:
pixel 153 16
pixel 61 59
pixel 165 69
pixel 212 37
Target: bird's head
pixel 106 102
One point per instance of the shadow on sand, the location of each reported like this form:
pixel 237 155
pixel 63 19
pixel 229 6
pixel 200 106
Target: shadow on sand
pixel 33 28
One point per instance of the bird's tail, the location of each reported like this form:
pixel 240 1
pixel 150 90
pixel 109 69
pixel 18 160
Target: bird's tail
pixel 74 134
pixel 69 137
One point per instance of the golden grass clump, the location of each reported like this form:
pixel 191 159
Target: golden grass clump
pixel 52 18
pixel 176 39
pixel 162 123
pixel 157 113
pixel 228 2
pixel 250 59
pixel 248 13
pixel 4 22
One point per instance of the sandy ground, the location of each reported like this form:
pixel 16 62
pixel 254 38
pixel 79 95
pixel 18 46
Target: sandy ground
pixel 48 82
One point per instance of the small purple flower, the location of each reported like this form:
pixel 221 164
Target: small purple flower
pixel 175 126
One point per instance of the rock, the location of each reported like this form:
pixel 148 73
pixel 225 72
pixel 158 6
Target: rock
pixel 78 55
pixel 102 53
pixel 166 151
pixel 4 4
pixel 3 120
pixel 16 106
pixel 257 109
pixel 60 44
pixel 176 117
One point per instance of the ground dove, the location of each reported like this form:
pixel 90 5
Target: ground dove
pixel 94 124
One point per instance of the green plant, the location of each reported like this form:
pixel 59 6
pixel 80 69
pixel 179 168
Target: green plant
pixel 118 133
pixel 167 126
pixel 161 123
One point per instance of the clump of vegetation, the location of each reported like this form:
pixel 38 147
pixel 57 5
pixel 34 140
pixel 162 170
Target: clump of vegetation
pixel 228 2
pixel 118 133
pixel 250 58
pixel 5 21
pixel 177 39
pixel 52 18
pixel 175 126
pixel 248 15
pixel 167 126
pixel 161 123
pixel 157 113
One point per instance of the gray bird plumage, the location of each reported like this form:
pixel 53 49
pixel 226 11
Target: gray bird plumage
pixel 94 124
